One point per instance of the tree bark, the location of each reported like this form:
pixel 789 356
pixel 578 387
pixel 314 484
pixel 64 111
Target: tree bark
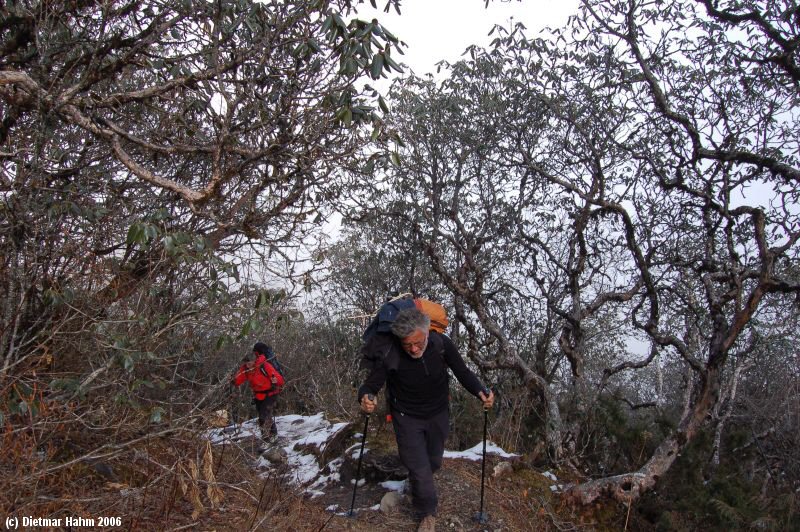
pixel 629 487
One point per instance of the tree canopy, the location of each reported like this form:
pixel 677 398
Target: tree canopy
pixel 609 209
pixel 630 179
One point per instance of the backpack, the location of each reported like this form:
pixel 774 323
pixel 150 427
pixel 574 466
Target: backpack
pixel 382 322
pixel 377 339
pixel 270 371
pixel 272 358
pixel 435 312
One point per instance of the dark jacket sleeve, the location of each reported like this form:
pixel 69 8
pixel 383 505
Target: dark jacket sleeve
pixel 467 378
pixel 375 381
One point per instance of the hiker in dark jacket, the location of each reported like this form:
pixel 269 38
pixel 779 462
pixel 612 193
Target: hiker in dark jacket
pixel 415 373
pixel 266 383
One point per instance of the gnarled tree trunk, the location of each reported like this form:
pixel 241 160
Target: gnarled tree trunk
pixel 628 487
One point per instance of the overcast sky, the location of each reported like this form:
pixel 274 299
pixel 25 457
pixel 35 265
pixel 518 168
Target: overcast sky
pixel 442 29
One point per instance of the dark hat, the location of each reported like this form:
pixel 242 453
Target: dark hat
pixel 262 348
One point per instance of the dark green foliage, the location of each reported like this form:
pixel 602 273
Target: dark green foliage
pixel 690 497
pixel 145 144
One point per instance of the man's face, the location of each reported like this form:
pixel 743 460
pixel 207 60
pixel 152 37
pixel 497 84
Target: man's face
pixel 415 343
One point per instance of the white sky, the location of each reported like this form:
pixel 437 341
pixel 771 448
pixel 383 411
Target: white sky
pixel 442 29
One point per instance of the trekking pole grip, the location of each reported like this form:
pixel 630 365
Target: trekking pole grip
pixel 371 398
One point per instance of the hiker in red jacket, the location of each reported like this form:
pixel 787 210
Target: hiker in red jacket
pixel 266 383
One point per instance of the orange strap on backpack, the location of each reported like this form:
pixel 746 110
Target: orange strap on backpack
pixel 435 312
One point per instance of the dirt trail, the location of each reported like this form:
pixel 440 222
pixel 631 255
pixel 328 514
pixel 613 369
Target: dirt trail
pixel 508 506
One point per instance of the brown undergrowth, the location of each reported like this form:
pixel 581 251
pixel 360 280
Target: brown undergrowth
pixel 103 460
pixel 95 458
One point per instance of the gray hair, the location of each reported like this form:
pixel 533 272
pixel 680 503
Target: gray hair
pixel 410 320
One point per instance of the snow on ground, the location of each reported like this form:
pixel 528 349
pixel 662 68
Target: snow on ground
pixel 395 485
pixel 555 487
pixel 297 432
pixel 234 433
pixel 476 453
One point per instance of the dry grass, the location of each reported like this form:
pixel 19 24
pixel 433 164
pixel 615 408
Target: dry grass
pixel 98 458
pixel 176 480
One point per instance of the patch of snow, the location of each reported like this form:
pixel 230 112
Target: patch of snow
pixel 297 433
pixel 234 433
pixel 476 452
pixel 355 453
pixel 361 481
pixel 262 462
pixel 304 467
pixel 331 508
pixel 319 436
pixel 323 480
pixel 549 475
pixel 375 508
pixel 394 485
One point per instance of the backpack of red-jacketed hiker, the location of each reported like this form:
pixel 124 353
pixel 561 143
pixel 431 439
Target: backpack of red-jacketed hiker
pixel 377 339
pixel 272 358
pixel 272 373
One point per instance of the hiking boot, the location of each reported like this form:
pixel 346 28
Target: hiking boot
pixel 428 524
pixel 269 438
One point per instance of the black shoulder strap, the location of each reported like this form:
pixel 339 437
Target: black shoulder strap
pixel 437 341
pixel 375 350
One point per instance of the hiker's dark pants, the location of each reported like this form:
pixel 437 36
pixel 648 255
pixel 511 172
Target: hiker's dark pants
pixel 266 408
pixel 420 443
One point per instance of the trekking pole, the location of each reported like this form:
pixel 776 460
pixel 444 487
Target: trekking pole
pixel 351 513
pixel 233 403
pixel 224 429
pixel 481 516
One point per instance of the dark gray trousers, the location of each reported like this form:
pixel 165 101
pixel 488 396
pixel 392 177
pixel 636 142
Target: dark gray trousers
pixel 420 443
pixel 266 420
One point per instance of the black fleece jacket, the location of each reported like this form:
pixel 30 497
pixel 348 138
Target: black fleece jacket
pixel 420 387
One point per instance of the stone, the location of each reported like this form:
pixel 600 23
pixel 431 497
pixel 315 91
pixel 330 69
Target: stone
pixel 391 502
pixel 217 419
pixel 502 469
pixel 328 450
pixel 276 455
